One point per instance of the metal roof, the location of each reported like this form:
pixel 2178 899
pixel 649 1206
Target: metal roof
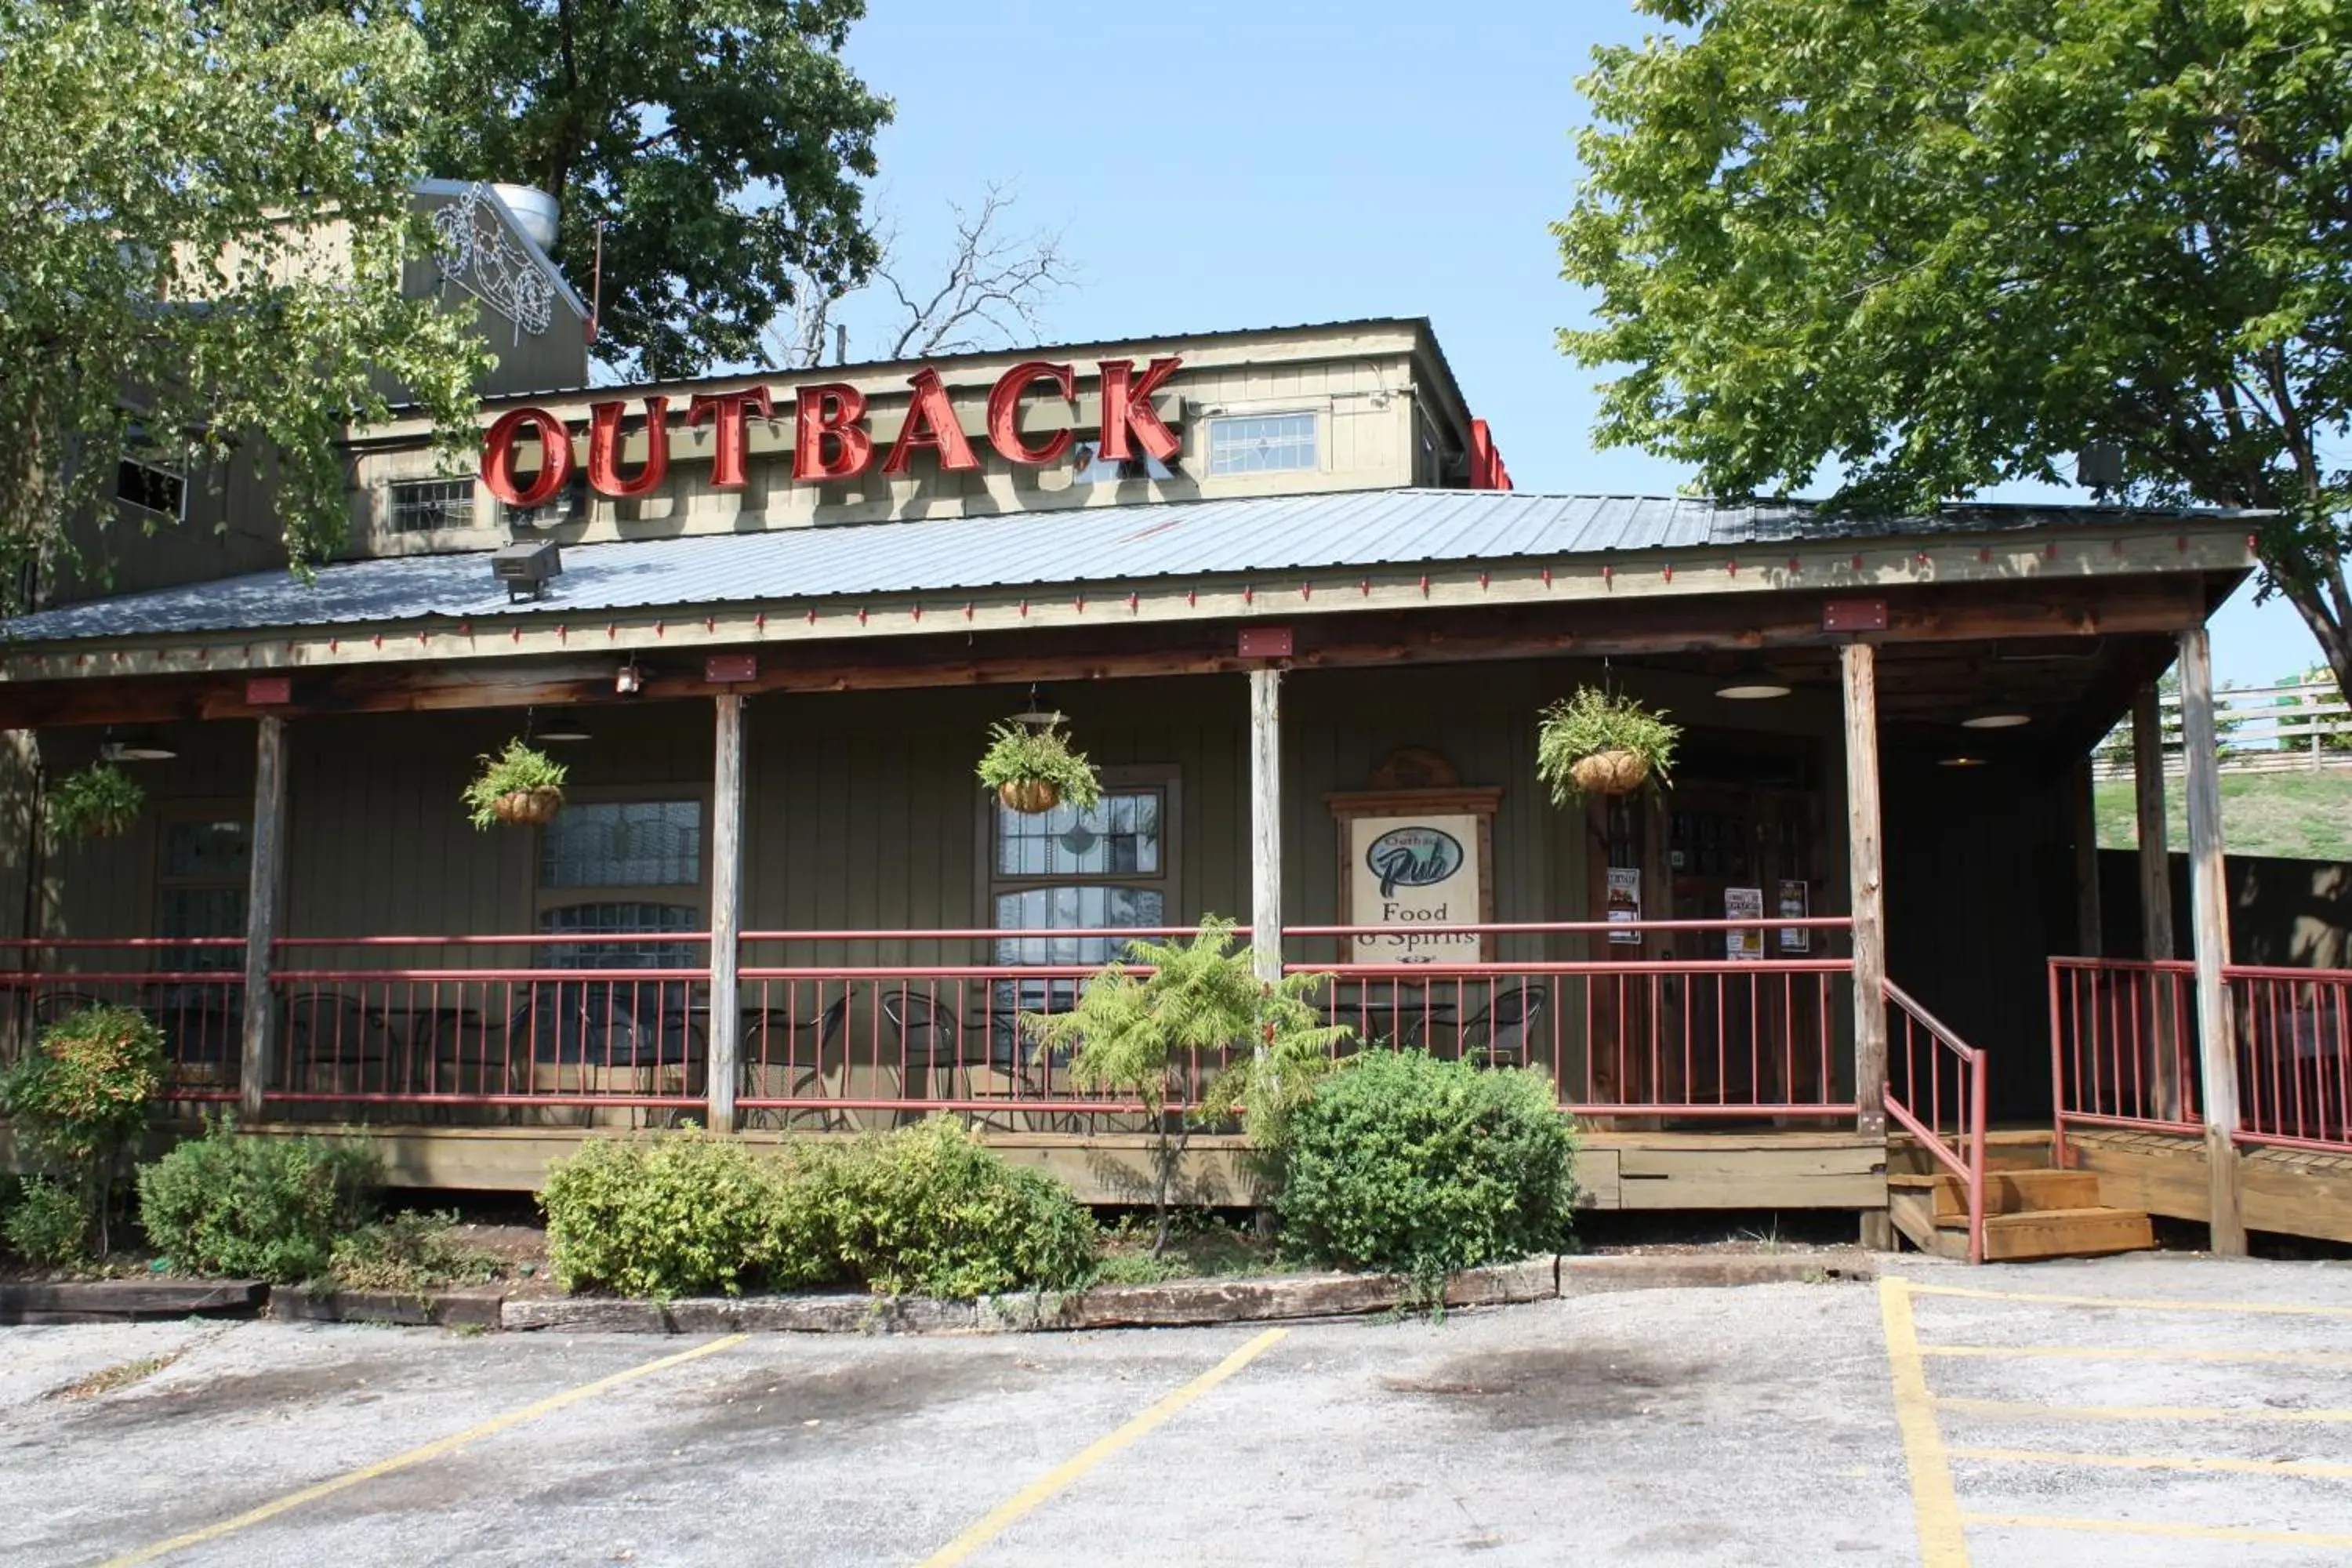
pixel 1360 528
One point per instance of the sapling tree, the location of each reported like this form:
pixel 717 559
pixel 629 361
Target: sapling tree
pixel 1143 1023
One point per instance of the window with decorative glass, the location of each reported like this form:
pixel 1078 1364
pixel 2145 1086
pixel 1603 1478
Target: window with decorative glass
pixel 1262 444
pixel 610 867
pixel 1109 868
pixel 201 880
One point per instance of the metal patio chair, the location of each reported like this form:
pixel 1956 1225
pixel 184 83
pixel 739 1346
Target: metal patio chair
pixel 759 1024
pixel 1497 1035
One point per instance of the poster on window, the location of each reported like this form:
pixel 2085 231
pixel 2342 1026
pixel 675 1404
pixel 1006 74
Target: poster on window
pixel 1743 904
pixel 1412 877
pixel 1795 906
pixel 1624 903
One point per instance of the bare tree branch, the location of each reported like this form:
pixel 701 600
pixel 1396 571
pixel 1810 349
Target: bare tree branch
pixel 992 293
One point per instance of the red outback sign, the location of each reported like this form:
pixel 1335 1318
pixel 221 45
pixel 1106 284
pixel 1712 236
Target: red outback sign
pixel 829 437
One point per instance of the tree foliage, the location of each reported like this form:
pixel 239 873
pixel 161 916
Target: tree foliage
pixel 167 169
pixel 720 143
pixel 1945 245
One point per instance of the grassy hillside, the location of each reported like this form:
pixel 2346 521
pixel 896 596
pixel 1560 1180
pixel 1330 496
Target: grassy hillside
pixel 2307 815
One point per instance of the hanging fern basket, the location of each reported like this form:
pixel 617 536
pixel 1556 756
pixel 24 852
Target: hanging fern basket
pixel 1030 797
pixel 1610 773
pixel 527 807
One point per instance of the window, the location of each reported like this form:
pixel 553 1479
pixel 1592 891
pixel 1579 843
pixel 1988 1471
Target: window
pixel 201 883
pixel 151 487
pixel 614 866
pixel 428 505
pixel 570 504
pixel 1262 444
pixel 1105 868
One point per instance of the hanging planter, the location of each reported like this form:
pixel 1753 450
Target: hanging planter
pixel 521 787
pixel 1599 744
pixel 100 802
pixel 1032 769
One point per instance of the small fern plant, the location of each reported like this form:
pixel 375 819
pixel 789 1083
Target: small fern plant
pixel 521 769
pixel 1019 758
pixel 1593 724
pixel 1139 1023
pixel 100 802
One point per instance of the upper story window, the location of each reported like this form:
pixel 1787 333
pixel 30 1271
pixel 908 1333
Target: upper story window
pixel 1093 468
pixel 151 487
pixel 1262 444
pixel 429 506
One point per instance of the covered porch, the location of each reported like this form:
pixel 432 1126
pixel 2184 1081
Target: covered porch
pixel 778 903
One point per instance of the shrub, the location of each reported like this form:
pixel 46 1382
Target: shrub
pixel 79 1098
pixel 662 1215
pixel 930 1209
pixel 48 1224
pixel 256 1207
pixel 409 1254
pixel 1403 1161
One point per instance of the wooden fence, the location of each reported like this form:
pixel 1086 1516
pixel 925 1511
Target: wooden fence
pixel 2263 728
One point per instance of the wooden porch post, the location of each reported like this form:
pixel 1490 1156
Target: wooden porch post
pixel 2082 812
pixel 2155 887
pixel 726 907
pixel 1266 822
pixel 261 913
pixel 1867 871
pixel 2209 911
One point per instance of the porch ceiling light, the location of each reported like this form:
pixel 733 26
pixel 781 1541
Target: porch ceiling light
pixel 628 680
pixel 561 734
pixel 1996 720
pixel 1752 689
pixel 136 748
pixel 1961 762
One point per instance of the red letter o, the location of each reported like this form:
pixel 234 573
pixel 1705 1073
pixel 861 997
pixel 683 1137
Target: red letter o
pixel 554 458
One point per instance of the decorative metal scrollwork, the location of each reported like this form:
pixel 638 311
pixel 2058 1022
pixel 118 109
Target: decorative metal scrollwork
pixel 482 255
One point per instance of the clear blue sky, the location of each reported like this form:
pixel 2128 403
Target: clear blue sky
pixel 1243 166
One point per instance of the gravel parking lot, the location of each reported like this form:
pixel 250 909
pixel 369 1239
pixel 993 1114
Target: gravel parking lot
pixel 1791 1424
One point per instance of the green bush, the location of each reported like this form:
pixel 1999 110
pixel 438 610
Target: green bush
pixel 664 1215
pixel 1403 1161
pixel 256 1207
pixel 409 1254
pixel 927 1209
pixel 79 1098
pixel 48 1224
pixel 932 1210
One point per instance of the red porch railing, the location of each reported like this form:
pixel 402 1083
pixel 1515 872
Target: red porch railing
pixel 192 988
pixel 559 1020
pixel 2294 1052
pixel 2123 1037
pixel 1936 1091
pixel 924 1020
pixel 2114 1023
pixel 1687 1038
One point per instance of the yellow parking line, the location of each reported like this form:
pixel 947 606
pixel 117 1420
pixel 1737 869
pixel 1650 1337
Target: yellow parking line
pixel 415 1457
pixel 2159 1462
pixel 1934 1507
pixel 997 1519
pixel 2120 1353
pixel 2026 1409
pixel 2154 1527
pixel 2143 1303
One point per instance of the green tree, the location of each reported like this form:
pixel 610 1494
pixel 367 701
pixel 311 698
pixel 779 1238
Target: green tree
pixel 1194 998
pixel 720 143
pixel 168 170
pixel 1944 246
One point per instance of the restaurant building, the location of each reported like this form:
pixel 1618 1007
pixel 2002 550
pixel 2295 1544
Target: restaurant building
pixel 1280 585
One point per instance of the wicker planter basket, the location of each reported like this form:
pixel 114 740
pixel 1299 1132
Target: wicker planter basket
pixel 1610 773
pixel 1030 797
pixel 529 807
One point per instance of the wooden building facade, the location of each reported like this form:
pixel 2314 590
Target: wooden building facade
pixel 1279 586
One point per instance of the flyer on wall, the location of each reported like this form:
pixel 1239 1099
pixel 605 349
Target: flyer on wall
pixel 1743 904
pixel 1795 905
pixel 1624 903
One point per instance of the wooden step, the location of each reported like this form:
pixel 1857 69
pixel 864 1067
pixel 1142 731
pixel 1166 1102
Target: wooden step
pixel 2007 1148
pixel 2008 1192
pixel 2058 1233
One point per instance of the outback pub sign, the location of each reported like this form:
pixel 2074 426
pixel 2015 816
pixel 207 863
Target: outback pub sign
pixel 1412 868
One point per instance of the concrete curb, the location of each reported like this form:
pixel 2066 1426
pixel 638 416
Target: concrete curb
pixel 1180 1303
pixel 474 1307
pixel 130 1301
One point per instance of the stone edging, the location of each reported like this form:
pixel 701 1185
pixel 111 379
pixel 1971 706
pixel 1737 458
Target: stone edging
pixel 1176 1303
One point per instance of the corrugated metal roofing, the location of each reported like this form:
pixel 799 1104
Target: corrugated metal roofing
pixel 1117 545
